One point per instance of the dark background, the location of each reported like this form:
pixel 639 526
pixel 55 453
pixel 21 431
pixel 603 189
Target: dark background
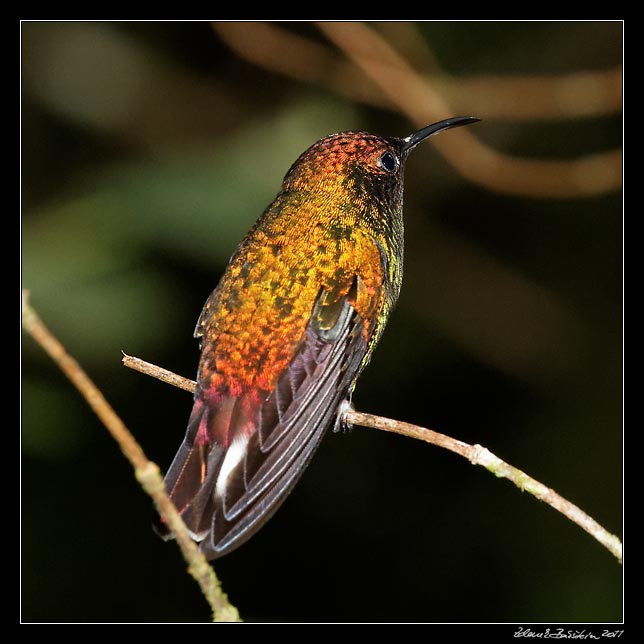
pixel 148 150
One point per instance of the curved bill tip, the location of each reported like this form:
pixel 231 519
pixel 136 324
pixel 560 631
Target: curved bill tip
pixel 456 121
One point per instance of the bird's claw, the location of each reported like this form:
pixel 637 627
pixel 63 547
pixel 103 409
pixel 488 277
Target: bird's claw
pixel 342 425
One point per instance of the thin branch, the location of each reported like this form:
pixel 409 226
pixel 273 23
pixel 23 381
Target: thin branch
pixel 476 454
pixel 157 372
pixel 146 472
pixel 479 455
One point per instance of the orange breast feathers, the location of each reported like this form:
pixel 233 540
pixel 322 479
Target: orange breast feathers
pixel 256 319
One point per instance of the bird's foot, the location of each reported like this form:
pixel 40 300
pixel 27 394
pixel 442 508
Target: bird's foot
pixel 342 425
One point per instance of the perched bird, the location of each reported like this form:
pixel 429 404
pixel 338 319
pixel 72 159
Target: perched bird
pixel 288 330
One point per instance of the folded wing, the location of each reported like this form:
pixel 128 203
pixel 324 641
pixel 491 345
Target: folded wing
pixel 242 455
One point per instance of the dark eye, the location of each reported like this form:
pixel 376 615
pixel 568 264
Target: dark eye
pixel 388 162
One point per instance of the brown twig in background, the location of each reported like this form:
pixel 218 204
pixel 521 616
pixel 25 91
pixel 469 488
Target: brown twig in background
pixel 591 175
pixel 284 52
pixel 476 454
pixel 146 472
pixel 406 38
pixel 388 80
pixel 580 94
pixel 528 96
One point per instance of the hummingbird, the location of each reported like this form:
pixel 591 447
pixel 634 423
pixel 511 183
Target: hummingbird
pixel 288 330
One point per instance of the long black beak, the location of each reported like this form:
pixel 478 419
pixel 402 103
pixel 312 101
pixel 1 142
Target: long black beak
pixel 456 121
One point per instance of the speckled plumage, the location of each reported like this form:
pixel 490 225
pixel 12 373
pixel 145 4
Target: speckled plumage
pixel 287 331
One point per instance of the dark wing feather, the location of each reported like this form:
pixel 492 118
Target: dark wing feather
pixel 226 495
pixel 277 445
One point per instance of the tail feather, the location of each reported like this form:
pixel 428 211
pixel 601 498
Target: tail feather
pixel 194 470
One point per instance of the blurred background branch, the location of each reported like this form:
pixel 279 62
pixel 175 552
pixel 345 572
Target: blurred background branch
pixel 529 96
pixel 430 98
pixel 478 162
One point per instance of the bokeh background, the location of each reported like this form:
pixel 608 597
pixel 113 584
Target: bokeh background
pixel 149 149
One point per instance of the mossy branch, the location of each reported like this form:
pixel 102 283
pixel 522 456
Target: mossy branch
pixel 476 454
pixel 146 472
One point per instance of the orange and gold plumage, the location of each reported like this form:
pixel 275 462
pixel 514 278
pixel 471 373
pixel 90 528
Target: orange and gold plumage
pixel 287 331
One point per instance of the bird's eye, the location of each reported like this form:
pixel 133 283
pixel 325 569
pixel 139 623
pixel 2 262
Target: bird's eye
pixel 388 161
